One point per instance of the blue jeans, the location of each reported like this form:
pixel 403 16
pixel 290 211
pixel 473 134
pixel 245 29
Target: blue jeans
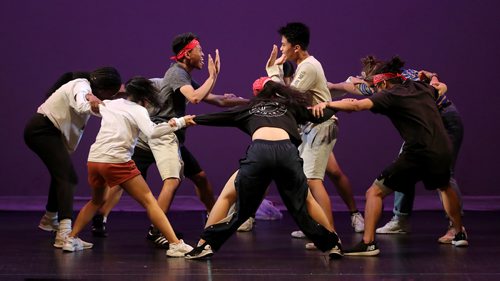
pixel 403 203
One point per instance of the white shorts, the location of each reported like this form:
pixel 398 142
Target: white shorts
pixel 317 144
pixel 167 155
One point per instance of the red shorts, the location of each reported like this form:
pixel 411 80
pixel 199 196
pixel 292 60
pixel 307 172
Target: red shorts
pixel 111 174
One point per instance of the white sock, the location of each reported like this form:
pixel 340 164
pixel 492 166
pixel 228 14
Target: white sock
pixel 65 224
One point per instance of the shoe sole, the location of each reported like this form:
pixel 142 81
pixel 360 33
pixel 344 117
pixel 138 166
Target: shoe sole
pixel 335 256
pixel 47 228
pixel 461 243
pixel 206 256
pixel 364 254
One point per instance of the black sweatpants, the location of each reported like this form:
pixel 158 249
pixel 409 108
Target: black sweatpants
pixel 47 142
pixel 267 161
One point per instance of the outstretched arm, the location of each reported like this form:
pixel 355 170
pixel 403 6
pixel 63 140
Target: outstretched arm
pixel 226 100
pixel 343 105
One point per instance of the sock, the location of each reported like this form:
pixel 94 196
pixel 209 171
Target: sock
pixel 104 219
pixel 65 224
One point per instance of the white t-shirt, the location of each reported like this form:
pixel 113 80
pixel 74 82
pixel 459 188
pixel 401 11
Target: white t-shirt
pixel 309 76
pixel 121 122
pixel 69 110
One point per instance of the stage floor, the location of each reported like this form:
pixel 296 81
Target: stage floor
pixel 266 253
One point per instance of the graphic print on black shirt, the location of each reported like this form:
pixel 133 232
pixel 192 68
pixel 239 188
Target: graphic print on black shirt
pixel 268 109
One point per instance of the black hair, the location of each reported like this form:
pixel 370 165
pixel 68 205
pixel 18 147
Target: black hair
pixel 370 65
pixel 273 91
pixel 140 89
pixel 180 41
pixel 296 33
pixel 105 80
pixel 392 66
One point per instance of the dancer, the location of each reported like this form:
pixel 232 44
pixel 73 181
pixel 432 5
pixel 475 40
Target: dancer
pixel 317 139
pixel 110 164
pixel 403 202
pixel 271 119
pixel 426 154
pixel 54 132
pixel 177 89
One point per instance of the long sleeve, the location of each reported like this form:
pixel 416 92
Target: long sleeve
pixel 304 115
pixel 227 118
pixel 150 129
pixel 80 104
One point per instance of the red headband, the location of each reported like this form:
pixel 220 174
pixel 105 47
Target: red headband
pixel 386 76
pixel 259 84
pixel 191 45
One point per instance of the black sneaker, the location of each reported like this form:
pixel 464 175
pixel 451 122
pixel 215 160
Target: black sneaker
pixel 362 249
pixel 99 226
pixel 460 240
pixel 155 236
pixel 336 252
pixel 200 252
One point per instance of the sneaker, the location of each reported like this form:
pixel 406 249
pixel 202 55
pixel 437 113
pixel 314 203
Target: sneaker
pixel 298 234
pixel 362 249
pixel 49 223
pixel 397 225
pixel 447 238
pixel 460 240
pixel 357 222
pixel 99 226
pixel 72 244
pixel 200 252
pixel 60 237
pixel 336 252
pixel 178 250
pixel 155 236
pixel 310 246
pixel 247 225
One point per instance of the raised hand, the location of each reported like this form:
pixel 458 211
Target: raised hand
pixel 217 61
pixel 273 58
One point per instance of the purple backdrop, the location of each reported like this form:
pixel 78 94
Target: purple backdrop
pixel 458 39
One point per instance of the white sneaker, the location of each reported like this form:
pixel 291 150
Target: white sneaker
pixel 178 250
pixel 49 223
pixel 298 234
pixel 357 222
pixel 310 246
pixel 397 225
pixel 72 244
pixel 247 225
pixel 60 237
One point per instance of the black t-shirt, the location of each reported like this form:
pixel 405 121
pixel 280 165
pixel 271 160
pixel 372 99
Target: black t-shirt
pixel 264 114
pixel 412 109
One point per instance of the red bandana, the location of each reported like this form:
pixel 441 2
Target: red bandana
pixel 191 45
pixel 386 76
pixel 259 84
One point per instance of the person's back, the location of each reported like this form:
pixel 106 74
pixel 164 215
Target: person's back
pixel 412 109
pixel 119 131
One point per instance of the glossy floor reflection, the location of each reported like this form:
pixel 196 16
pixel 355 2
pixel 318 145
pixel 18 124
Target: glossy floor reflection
pixel 267 253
